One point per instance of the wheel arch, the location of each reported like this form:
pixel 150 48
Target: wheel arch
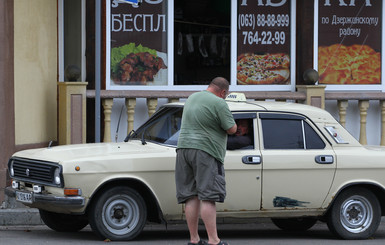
pixel 154 213
pixel 376 189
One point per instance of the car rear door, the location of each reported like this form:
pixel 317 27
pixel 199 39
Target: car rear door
pixel 298 162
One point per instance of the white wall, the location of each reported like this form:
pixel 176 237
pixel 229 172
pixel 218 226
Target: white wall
pixel 35 52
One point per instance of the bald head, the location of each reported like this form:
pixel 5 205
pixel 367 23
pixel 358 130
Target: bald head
pixel 219 86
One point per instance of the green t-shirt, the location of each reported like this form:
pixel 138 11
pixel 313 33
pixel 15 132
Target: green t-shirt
pixel 206 117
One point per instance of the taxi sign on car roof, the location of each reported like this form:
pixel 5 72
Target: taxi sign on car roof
pixel 237 97
pixel 133 2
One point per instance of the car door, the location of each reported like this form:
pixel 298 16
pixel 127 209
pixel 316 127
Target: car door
pixel 243 173
pixel 298 162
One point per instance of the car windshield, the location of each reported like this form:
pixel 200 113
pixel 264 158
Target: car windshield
pixel 163 127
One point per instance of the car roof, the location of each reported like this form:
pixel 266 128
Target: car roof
pixel 314 113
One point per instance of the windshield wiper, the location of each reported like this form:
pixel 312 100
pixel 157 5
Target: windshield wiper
pixel 143 140
pixel 130 135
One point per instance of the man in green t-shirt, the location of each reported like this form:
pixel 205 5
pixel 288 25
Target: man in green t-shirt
pixel 199 172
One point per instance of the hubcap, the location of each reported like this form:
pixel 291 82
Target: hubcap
pixel 120 214
pixel 356 214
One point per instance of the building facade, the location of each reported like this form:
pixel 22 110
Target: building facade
pixel 178 45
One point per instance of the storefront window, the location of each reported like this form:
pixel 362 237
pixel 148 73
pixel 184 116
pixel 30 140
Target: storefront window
pixel 263 42
pixel 138 44
pixel 201 41
pixel 184 44
pixel 349 42
pixel 72 39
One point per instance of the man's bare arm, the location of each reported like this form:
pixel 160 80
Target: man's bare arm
pixel 232 130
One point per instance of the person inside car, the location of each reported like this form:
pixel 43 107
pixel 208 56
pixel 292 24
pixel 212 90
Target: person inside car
pixel 242 138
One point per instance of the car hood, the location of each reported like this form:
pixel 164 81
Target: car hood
pixel 95 152
pixel 375 148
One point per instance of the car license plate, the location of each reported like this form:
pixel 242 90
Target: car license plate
pixel 25 197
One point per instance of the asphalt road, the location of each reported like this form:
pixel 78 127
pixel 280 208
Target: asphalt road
pixel 253 233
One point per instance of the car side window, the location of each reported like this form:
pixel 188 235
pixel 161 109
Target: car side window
pixel 285 132
pixel 244 137
pixel 313 140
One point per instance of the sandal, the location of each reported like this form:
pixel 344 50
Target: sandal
pixel 201 242
pixel 222 243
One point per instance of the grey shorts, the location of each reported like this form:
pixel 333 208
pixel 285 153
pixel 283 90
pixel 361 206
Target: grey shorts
pixel 197 173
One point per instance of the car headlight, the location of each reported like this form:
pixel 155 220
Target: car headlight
pixel 56 176
pixel 11 170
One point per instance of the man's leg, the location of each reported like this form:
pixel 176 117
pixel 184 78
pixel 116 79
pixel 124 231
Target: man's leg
pixel 192 217
pixel 209 217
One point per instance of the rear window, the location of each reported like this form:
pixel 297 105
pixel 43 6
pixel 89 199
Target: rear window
pixel 289 133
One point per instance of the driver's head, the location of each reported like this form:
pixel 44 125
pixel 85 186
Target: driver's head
pixel 242 127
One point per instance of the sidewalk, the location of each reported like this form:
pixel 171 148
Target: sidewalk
pixel 13 213
pixel 20 216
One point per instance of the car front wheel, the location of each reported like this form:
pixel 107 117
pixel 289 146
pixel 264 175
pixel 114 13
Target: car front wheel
pixel 355 214
pixel 63 222
pixel 118 213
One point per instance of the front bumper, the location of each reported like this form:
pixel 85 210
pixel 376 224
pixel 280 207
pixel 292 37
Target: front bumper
pixel 47 199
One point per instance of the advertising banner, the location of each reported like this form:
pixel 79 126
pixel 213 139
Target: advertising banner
pixel 263 37
pixel 349 41
pixel 138 43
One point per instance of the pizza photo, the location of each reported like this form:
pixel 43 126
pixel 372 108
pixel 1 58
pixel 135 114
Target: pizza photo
pixel 253 69
pixel 355 64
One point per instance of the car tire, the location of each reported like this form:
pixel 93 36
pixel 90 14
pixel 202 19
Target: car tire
pixel 63 222
pixel 118 214
pixel 294 224
pixel 355 214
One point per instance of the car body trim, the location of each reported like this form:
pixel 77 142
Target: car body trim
pixel 246 115
pixel 265 115
pixel 38 198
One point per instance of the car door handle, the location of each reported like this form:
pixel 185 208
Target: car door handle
pixel 324 159
pixel 254 159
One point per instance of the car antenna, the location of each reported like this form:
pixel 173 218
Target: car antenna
pixel 117 128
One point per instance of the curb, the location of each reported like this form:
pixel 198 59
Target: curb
pixel 20 216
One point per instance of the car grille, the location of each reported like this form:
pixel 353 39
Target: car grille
pixel 34 171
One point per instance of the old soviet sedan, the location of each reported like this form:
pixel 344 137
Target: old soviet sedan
pixel 302 166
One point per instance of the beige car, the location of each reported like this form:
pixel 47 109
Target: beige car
pixel 301 166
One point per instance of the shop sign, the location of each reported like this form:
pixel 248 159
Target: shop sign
pixel 263 37
pixel 138 44
pixel 349 42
